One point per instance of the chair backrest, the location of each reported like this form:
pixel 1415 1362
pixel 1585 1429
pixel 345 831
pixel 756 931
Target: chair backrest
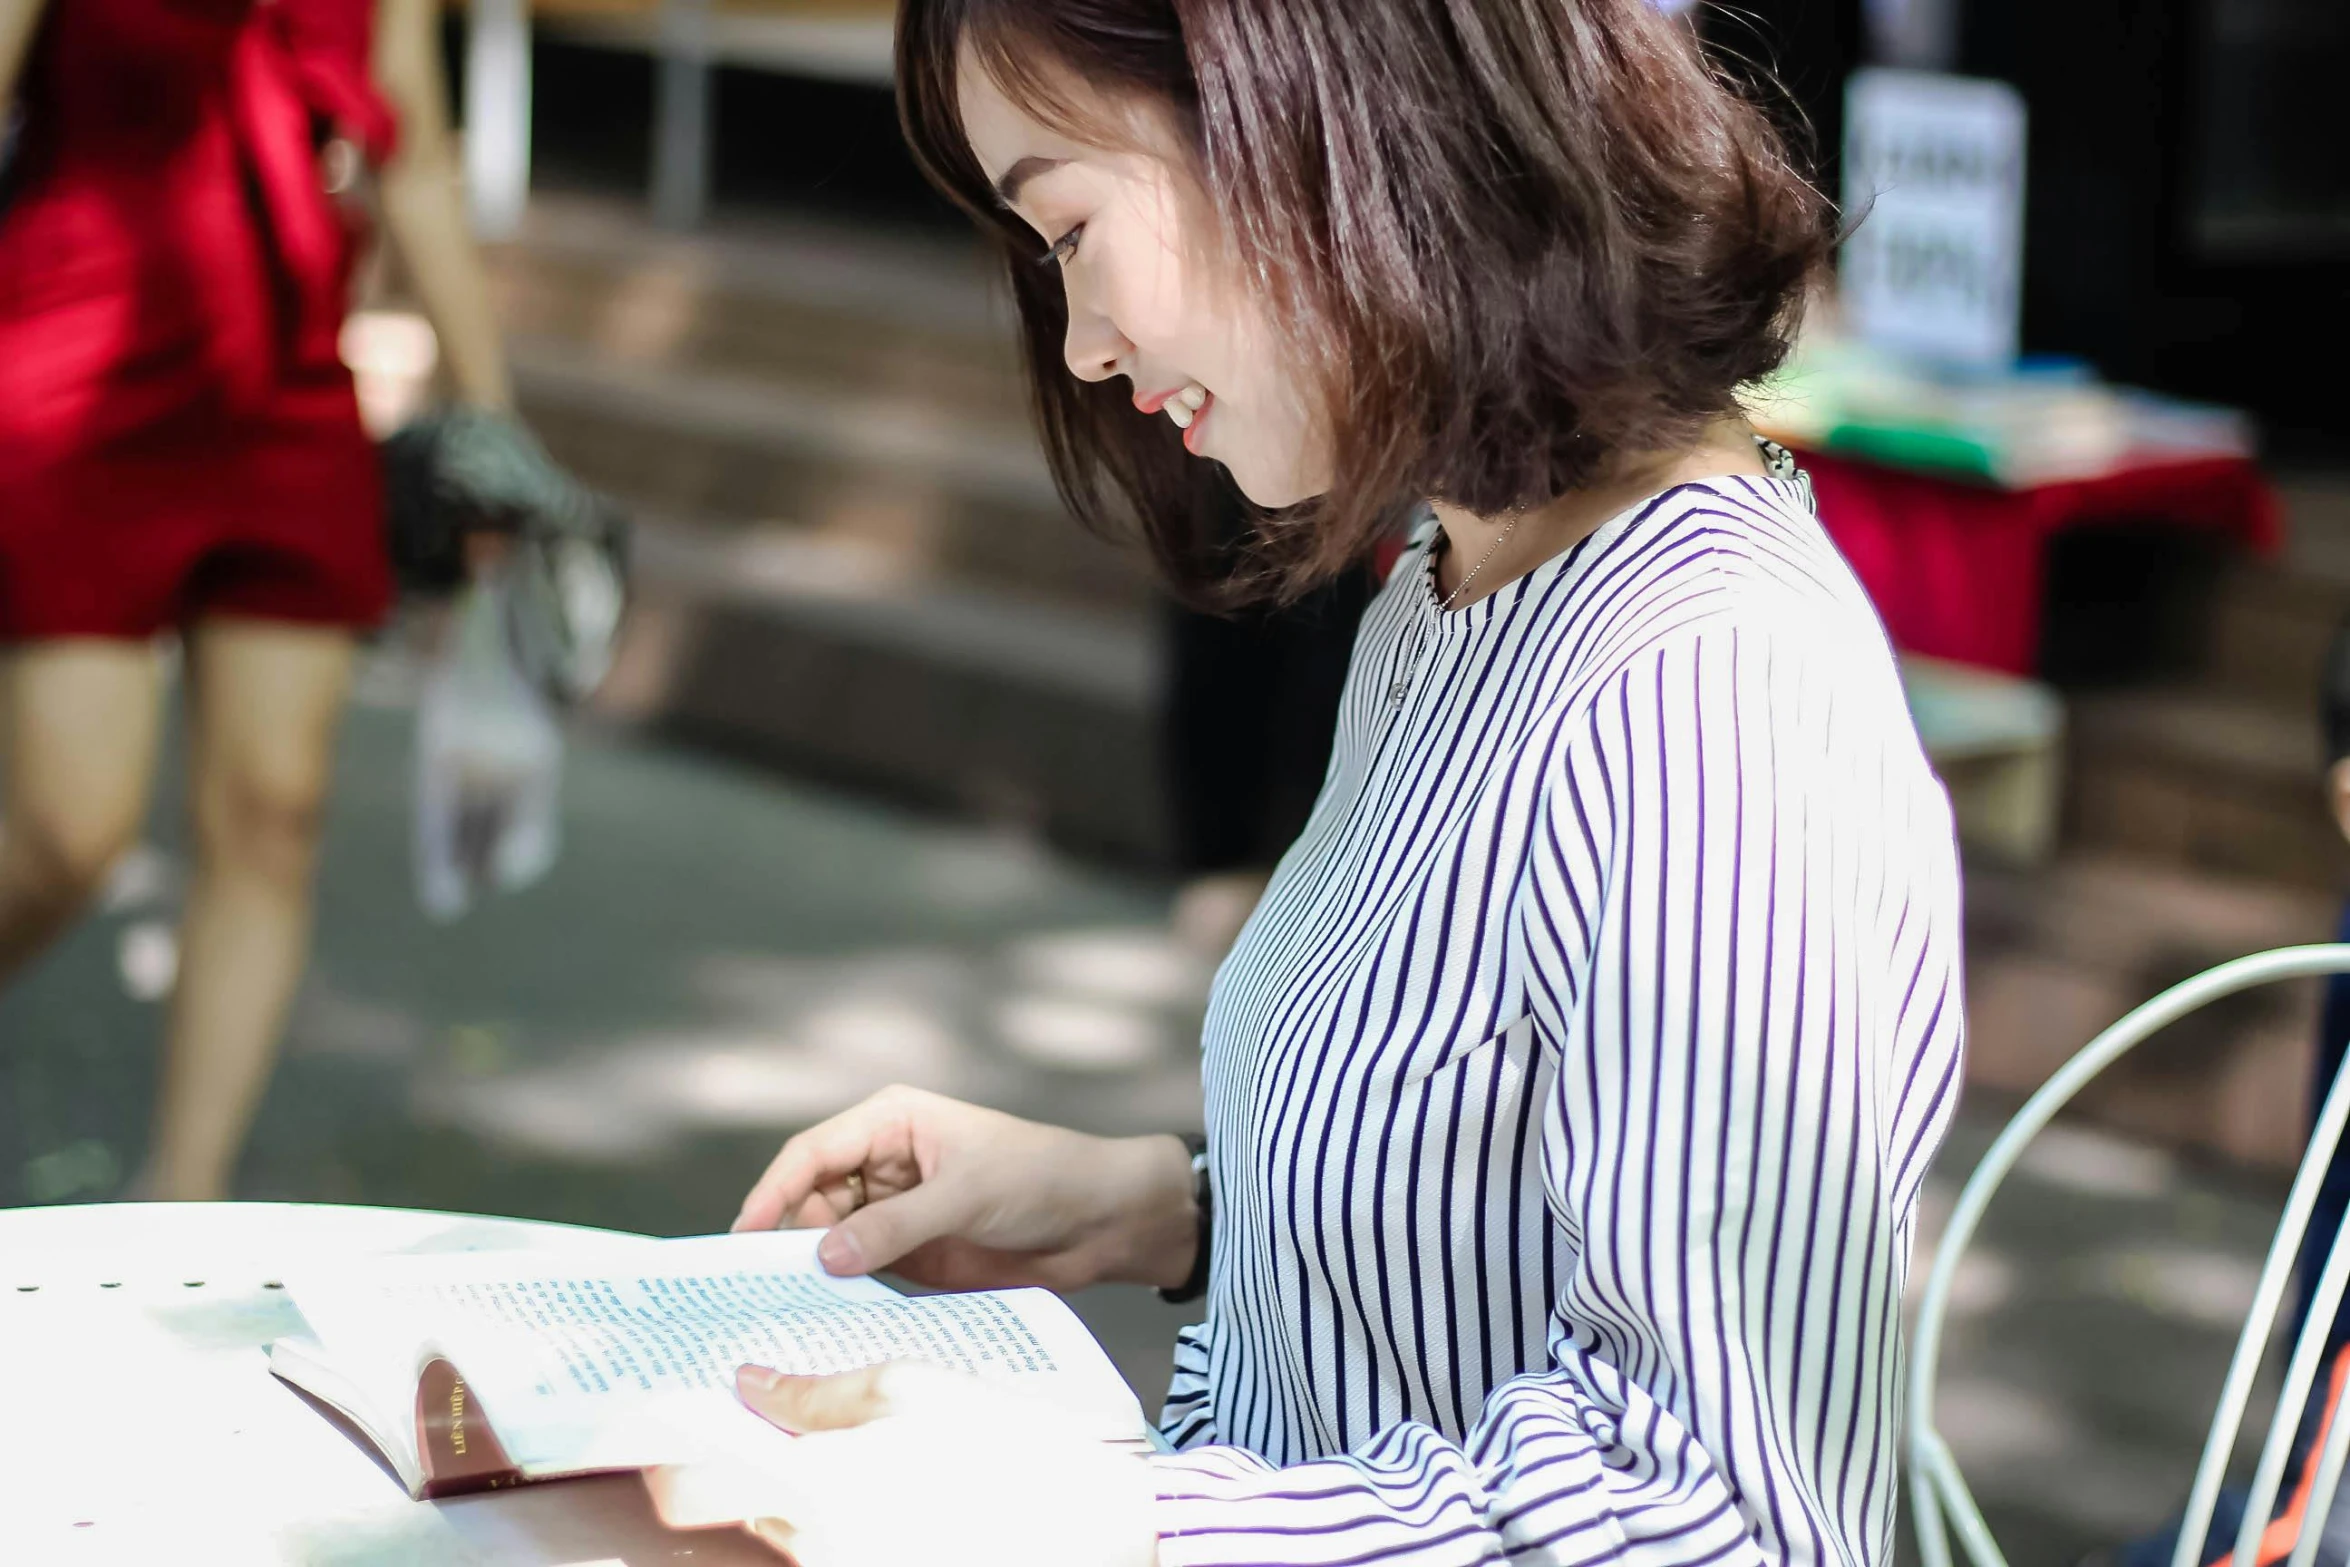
pixel 1940 1501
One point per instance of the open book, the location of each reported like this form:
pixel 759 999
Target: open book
pixel 474 1370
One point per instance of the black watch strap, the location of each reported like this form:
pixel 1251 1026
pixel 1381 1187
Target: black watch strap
pixel 1202 1194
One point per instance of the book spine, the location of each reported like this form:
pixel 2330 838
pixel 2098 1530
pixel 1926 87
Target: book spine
pixel 458 1451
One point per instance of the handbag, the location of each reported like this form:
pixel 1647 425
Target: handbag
pixel 463 471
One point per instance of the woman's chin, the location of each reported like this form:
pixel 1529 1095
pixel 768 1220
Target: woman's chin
pixel 1271 491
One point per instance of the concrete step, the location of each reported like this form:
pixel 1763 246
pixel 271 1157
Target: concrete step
pixel 2272 620
pixel 862 386
pixel 2317 517
pixel 2202 779
pixel 2056 954
pixel 889 472
pixel 939 282
pixel 792 301
pixel 843 660
pixel 2219 770
pixel 853 562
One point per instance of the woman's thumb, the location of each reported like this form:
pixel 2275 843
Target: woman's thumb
pixel 879 1233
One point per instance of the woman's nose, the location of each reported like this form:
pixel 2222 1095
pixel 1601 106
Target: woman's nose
pixel 1093 347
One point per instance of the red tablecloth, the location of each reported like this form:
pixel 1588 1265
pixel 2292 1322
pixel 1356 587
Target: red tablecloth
pixel 1958 569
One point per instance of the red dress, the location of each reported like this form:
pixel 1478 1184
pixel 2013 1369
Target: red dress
pixel 177 435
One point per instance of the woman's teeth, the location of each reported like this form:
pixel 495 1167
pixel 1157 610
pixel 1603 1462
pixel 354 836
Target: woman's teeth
pixel 1184 406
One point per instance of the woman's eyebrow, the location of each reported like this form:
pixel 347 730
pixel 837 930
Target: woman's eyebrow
pixel 1008 186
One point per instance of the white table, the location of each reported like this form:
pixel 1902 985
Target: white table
pixel 139 1421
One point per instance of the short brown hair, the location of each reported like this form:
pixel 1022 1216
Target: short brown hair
pixel 1517 240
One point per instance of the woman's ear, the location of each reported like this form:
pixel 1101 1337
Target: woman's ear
pixel 2338 794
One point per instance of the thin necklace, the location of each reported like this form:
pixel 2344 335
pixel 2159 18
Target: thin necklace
pixel 1499 539
pixel 1401 690
pixel 1776 458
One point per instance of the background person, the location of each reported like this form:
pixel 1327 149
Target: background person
pixel 1570 1091
pixel 180 450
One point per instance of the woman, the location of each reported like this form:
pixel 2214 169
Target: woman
pixel 1570 1091
pixel 180 449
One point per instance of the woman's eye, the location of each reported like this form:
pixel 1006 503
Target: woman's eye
pixel 1064 247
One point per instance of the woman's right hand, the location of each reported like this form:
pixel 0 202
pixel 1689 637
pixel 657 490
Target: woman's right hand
pixel 960 1197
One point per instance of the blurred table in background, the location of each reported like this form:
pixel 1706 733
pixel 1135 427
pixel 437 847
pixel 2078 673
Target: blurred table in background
pixel 139 1422
pixel 1998 743
pixel 1958 568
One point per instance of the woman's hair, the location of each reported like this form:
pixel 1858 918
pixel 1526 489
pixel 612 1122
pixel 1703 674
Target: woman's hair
pixel 1511 242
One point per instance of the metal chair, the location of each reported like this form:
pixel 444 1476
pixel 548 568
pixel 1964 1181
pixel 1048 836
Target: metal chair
pixel 1940 1501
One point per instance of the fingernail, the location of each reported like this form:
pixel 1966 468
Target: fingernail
pixel 756 1379
pixel 738 1226
pixel 840 1253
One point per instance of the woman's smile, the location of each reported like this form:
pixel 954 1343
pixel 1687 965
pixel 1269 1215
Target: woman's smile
pixel 1195 427
pixel 1186 406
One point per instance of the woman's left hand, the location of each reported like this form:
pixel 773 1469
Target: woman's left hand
pixel 904 1464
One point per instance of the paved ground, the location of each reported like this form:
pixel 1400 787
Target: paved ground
pixel 723 956
pixel 718 959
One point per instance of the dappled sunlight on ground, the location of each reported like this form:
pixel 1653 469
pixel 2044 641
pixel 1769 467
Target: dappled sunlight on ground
pixel 2097 1164
pixel 2090 1326
pixel 798 1038
pixel 722 958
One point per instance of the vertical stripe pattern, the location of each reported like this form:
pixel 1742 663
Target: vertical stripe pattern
pixel 1570 1091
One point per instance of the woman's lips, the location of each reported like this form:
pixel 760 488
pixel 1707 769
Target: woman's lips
pixel 1199 422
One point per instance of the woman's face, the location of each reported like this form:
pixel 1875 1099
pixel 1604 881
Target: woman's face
pixel 1151 294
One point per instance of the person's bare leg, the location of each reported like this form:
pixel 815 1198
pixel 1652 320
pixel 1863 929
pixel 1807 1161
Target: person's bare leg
pixel 78 758
pixel 266 700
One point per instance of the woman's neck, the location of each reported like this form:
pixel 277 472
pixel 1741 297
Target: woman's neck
pixel 1726 448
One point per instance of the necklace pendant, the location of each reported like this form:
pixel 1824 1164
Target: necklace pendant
pixel 1399 689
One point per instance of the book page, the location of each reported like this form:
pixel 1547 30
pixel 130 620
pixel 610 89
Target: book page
pixel 542 1342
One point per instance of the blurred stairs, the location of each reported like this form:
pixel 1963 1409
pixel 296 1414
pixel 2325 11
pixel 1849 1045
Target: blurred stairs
pixel 2195 830
pixel 853 560
pixel 2217 768
pixel 825 427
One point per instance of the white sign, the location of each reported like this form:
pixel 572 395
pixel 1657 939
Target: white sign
pixel 1934 172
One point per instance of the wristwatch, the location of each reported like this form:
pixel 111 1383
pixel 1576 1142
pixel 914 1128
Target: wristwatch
pixel 1202 1196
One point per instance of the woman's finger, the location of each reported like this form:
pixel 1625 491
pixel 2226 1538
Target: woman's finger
pixel 803 1404
pixel 785 1188
pixel 830 1204
pixel 823 1155
pixel 912 1389
pixel 878 1234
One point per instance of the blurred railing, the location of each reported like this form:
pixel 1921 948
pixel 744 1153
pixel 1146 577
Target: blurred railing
pixel 836 40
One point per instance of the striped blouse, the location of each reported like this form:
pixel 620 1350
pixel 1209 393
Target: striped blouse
pixel 1570 1092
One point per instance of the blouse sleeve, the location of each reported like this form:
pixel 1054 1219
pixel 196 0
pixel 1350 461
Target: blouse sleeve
pixel 1739 922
